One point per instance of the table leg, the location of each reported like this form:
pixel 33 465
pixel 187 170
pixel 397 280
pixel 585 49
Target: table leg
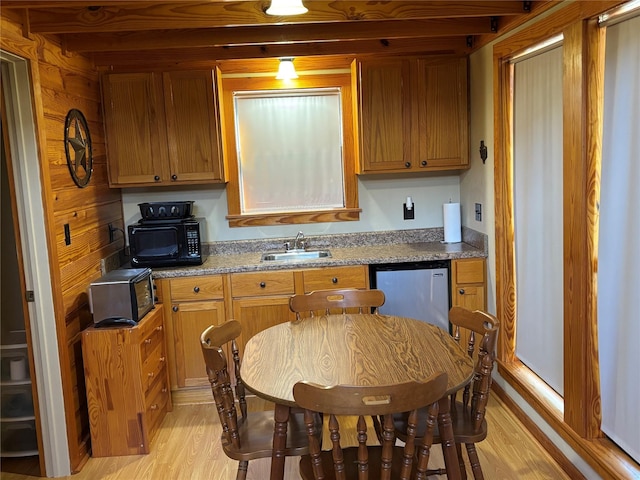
pixel 448 442
pixel 281 417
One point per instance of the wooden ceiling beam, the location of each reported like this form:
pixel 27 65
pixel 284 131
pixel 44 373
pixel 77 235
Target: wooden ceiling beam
pixel 238 36
pixel 179 57
pixel 161 16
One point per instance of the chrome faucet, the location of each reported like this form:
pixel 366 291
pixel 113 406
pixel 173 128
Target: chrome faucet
pixel 299 242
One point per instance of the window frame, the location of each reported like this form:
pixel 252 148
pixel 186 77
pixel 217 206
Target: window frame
pixel 351 211
pixel 577 421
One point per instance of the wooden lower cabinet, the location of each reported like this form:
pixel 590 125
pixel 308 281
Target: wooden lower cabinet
pixel 261 300
pixel 468 287
pixel 196 303
pixel 127 385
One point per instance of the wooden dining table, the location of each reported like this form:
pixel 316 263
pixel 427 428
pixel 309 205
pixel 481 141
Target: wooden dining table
pixel 352 349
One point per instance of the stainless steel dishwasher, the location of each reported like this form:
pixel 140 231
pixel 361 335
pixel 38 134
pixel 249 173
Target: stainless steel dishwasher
pixel 417 290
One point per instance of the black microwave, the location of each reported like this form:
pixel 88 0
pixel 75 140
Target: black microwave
pixel 166 242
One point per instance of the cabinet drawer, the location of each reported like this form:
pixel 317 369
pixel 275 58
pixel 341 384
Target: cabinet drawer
pixel 469 270
pixel 153 367
pixel 196 288
pixel 335 277
pixel 159 389
pixel 262 283
pixel 157 405
pixel 153 340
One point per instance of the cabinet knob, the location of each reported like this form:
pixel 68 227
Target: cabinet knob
pixel 461 291
pixel 407 164
pixel 150 374
pixel 154 406
pixel 161 359
pixel 175 308
pixel 423 163
pixel 174 177
pixel 334 280
pixel 157 178
pixel 262 284
pixel 159 328
pixel 147 341
pixel 196 289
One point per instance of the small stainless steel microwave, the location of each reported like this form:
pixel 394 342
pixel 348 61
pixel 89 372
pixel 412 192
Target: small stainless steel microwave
pixel 122 294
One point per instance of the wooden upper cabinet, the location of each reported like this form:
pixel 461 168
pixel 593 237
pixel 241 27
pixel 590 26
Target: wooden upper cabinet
pixel 195 151
pixel 385 115
pixel 162 128
pixel 413 115
pixel 134 123
pixel 443 112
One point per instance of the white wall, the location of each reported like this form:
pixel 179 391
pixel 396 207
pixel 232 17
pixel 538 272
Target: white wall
pixel 476 184
pixel 381 202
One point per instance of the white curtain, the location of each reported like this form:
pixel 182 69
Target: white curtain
pixel 618 251
pixel 290 150
pixel 538 215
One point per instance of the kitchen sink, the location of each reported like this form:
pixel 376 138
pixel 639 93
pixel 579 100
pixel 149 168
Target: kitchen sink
pixel 291 255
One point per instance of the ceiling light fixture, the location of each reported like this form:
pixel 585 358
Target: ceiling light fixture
pixel 286 70
pixel 286 7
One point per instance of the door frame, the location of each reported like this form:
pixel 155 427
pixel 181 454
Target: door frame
pixel 23 143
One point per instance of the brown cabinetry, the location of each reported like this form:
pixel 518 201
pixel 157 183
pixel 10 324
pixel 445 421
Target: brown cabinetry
pixel 356 276
pixel 127 385
pixel 261 300
pixel 413 114
pixel 468 286
pixel 162 128
pixel 196 303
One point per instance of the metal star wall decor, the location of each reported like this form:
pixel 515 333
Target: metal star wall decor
pixel 77 147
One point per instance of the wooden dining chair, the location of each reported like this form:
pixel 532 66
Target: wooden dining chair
pixel 468 412
pixel 249 435
pixel 384 461
pixel 321 302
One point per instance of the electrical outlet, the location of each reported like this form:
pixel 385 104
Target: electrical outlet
pixel 478 212
pixel 409 213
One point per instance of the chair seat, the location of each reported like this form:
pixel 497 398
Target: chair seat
pixel 463 430
pixel 256 436
pixel 351 463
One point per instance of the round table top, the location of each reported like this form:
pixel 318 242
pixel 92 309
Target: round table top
pixel 350 349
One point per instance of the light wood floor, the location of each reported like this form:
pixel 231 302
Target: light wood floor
pixel 187 447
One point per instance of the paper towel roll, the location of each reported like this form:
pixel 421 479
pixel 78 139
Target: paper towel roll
pixel 452 228
pixel 18 368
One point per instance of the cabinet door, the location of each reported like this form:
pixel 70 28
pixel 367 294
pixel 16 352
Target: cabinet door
pixel 385 116
pixel 135 131
pixel 443 126
pixel 259 313
pixel 192 127
pixel 190 319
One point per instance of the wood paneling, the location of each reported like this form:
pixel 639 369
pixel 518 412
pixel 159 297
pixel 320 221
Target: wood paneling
pixel 59 83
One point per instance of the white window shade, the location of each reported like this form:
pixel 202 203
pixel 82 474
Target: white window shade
pixel 538 215
pixel 618 254
pixel 289 147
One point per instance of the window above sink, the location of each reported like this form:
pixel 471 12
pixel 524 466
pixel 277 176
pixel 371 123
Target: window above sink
pixel 246 207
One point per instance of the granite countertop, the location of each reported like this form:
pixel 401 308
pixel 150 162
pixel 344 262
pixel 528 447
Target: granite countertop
pixel 346 249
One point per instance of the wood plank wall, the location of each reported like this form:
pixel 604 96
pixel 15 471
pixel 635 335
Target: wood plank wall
pixel 60 83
